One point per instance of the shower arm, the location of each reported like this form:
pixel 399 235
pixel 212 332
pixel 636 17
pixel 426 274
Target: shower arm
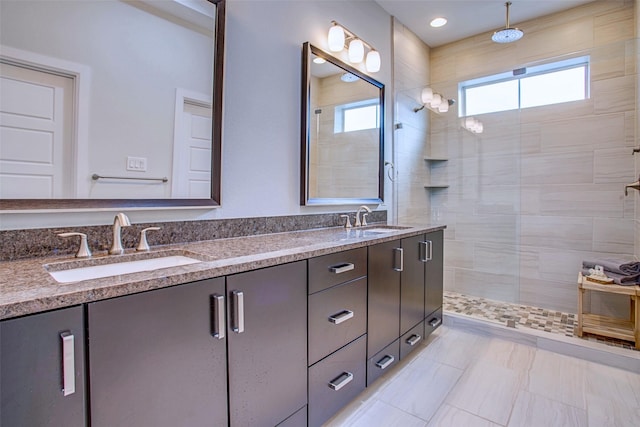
pixel 635 186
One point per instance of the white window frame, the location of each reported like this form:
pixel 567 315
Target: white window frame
pixel 523 73
pixel 340 110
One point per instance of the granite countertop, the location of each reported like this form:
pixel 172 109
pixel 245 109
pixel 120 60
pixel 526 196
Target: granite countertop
pixel 27 288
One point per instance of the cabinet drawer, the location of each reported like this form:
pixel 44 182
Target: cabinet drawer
pixel 337 316
pixel 383 361
pixel 329 270
pixel 432 322
pixel 411 340
pixel 336 380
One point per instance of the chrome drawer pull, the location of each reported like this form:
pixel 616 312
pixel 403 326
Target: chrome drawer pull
pixel 343 316
pixel 414 339
pixel 217 316
pixel 342 268
pixel 398 259
pixel 68 364
pixel 385 361
pixel 435 322
pixel 238 312
pixel 341 381
pixel 426 251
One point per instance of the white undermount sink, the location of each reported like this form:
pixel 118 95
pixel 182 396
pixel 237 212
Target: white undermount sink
pixel 117 268
pixel 385 229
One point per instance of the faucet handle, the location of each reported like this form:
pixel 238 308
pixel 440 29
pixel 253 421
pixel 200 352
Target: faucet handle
pixel 143 245
pixel 348 223
pixel 364 219
pixel 83 250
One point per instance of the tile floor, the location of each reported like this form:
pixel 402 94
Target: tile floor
pixel 461 379
pixel 521 316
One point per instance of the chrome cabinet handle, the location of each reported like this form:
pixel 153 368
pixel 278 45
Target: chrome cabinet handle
pixel 343 316
pixel 426 251
pixel 342 380
pixel 218 326
pixel 398 259
pixel 414 339
pixel 385 361
pixel 68 364
pixel 238 312
pixel 342 268
pixel 435 322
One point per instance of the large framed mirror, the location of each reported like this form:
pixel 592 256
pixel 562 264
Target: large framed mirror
pixel 342 132
pixel 110 103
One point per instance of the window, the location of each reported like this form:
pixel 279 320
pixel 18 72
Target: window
pixel 546 84
pixel 356 116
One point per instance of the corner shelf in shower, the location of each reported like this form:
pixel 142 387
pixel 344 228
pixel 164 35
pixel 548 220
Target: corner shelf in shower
pixel 435 186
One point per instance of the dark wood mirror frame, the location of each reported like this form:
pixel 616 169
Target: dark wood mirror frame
pixel 308 50
pixel 216 151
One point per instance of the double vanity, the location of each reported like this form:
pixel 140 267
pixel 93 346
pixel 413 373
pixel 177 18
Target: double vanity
pixel 274 329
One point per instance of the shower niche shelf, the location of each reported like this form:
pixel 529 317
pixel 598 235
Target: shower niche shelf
pixel 430 161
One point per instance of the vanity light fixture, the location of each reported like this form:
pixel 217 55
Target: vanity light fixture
pixel 340 38
pixel 472 125
pixel 438 22
pixel 434 101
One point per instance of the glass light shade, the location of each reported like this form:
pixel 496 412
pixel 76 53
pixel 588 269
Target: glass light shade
pixel 469 122
pixel 479 127
pixel 444 106
pixel 426 95
pixel 356 51
pixel 373 61
pixel 336 38
pixel 436 101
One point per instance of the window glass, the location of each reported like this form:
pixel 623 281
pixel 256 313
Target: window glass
pixel 545 84
pixel 553 88
pixel 361 118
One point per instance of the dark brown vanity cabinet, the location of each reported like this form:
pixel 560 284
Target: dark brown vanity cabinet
pixel 337 331
pixel 434 277
pixel 158 358
pixel 42 372
pixel 267 333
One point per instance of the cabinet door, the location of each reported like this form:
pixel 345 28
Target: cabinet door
pixel 267 344
pixel 412 284
pixel 434 272
pixel 154 361
pixel 34 375
pixel 383 317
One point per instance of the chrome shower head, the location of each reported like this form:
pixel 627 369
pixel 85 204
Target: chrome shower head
pixel 507 34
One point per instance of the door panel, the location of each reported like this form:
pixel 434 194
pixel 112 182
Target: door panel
pixel 434 273
pixel 268 359
pixel 31 385
pixel 154 361
pixel 412 285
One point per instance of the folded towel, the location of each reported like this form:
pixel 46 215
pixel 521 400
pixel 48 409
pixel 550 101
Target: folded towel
pixel 618 266
pixel 619 279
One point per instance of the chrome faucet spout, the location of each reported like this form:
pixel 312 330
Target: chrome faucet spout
pixel 121 220
pixel 363 222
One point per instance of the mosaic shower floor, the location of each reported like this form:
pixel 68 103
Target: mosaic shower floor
pixel 521 316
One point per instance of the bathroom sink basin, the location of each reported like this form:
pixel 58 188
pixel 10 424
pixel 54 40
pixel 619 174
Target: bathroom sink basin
pixel 119 266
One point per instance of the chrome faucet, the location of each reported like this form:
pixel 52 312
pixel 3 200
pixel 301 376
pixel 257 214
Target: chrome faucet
pixel 363 222
pixel 121 220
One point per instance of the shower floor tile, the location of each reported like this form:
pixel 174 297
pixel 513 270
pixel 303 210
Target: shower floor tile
pixel 521 316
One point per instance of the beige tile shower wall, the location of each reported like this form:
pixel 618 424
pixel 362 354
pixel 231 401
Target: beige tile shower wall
pixel 410 142
pixel 542 188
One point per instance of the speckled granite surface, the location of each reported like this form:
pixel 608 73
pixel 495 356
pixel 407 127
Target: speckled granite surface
pixel 20 244
pixel 27 288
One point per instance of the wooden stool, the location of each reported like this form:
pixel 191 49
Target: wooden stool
pixel 623 329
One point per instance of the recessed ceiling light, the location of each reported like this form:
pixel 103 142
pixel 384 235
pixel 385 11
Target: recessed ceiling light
pixel 319 60
pixel 438 22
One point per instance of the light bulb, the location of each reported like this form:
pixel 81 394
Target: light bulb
pixel 479 127
pixel 356 51
pixel 426 95
pixel 444 106
pixel 373 61
pixel 468 122
pixel 436 101
pixel 336 38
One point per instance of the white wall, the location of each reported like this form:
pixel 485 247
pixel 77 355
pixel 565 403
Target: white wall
pixel 260 153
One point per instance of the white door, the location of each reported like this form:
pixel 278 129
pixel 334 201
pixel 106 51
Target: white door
pixel 36 110
pixel 192 152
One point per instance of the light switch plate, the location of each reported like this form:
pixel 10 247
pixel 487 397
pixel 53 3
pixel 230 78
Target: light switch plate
pixel 136 164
